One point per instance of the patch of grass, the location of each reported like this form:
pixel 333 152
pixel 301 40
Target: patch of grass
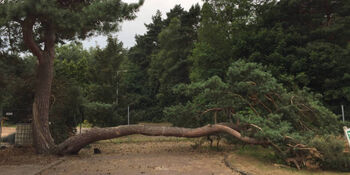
pixel 263 161
pixel 11 125
pixel 86 124
pixel 260 153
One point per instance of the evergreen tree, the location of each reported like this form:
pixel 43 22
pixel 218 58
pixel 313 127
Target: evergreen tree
pixel 47 22
pixel 169 65
pixel 137 83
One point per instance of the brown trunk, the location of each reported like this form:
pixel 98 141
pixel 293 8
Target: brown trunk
pixel 75 143
pixel 43 141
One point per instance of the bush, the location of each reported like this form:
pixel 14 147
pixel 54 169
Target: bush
pixel 332 149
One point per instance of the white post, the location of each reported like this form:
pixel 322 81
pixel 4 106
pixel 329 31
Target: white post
pixel 128 115
pixel 347 134
pixel 342 112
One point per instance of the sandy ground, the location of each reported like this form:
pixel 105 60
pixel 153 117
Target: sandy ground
pixel 7 131
pixel 126 156
pixel 142 155
pixel 163 158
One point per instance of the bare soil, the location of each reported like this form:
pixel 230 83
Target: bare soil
pixel 168 158
pixel 137 154
pixel 126 156
pixel 7 131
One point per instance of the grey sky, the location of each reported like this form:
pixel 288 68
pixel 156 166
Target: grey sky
pixel 130 28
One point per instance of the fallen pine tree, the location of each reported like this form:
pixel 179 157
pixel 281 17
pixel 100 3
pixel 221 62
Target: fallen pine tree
pixel 302 131
pixel 75 143
pixel 248 106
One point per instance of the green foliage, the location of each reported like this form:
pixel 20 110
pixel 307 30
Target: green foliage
pixel 47 22
pixel 85 87
pixel 67 109
pixel 137 83
pixel 159 62
pixel 268 65
pixel 332 149
pixel 66 113
pixel 70 19
pixel 170 61
pixel 16 82
pixel 99 114
pixel 169 65
pixel 251 96
pixel 301 47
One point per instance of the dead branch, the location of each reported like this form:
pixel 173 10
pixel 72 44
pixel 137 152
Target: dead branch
pixel 250 105
pixel 212 109
pixel 268 97
pixel 267 108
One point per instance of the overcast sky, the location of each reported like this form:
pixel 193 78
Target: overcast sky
pixel 130 28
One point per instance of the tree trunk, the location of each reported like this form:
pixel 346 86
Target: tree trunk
pixel 75 143
pixel 43 140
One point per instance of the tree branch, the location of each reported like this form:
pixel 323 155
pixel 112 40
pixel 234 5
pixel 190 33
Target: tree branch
pixel 27 29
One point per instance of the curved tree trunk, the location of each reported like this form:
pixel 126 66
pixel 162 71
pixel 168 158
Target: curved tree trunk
pixel 43 140
pixel 75 143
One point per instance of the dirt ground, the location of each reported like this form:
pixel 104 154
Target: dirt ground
pixel 145 155
pixel 125 156
pixel 7 131
pixel 168 158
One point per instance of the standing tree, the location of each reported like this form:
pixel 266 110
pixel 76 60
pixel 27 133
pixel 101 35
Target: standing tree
pixel 47 22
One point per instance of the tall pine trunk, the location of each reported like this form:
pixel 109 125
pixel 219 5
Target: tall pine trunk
pixel 43 140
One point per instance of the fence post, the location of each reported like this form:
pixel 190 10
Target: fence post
pixel 128 115
pixel 342 112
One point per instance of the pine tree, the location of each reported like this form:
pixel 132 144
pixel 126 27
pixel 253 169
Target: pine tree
pixel 43 24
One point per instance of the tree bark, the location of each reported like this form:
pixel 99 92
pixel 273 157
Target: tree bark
pixel 75 143
pixel 42 138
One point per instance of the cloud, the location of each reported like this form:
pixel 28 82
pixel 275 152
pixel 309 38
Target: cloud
pixel 130 28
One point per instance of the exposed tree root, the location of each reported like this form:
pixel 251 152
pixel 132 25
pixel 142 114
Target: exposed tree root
pixel 304 156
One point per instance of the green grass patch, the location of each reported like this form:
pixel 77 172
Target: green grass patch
pixel 258 152
pixel 11 125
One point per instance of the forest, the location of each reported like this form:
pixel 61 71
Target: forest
pixel 271 73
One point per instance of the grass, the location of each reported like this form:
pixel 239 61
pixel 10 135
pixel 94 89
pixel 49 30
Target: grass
pixel 11 125
pixel 259 160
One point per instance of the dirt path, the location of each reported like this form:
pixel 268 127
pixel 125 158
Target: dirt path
pixel 168 158
pixel 125 157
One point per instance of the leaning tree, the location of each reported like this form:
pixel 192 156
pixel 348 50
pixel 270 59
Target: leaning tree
pixel 45 23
